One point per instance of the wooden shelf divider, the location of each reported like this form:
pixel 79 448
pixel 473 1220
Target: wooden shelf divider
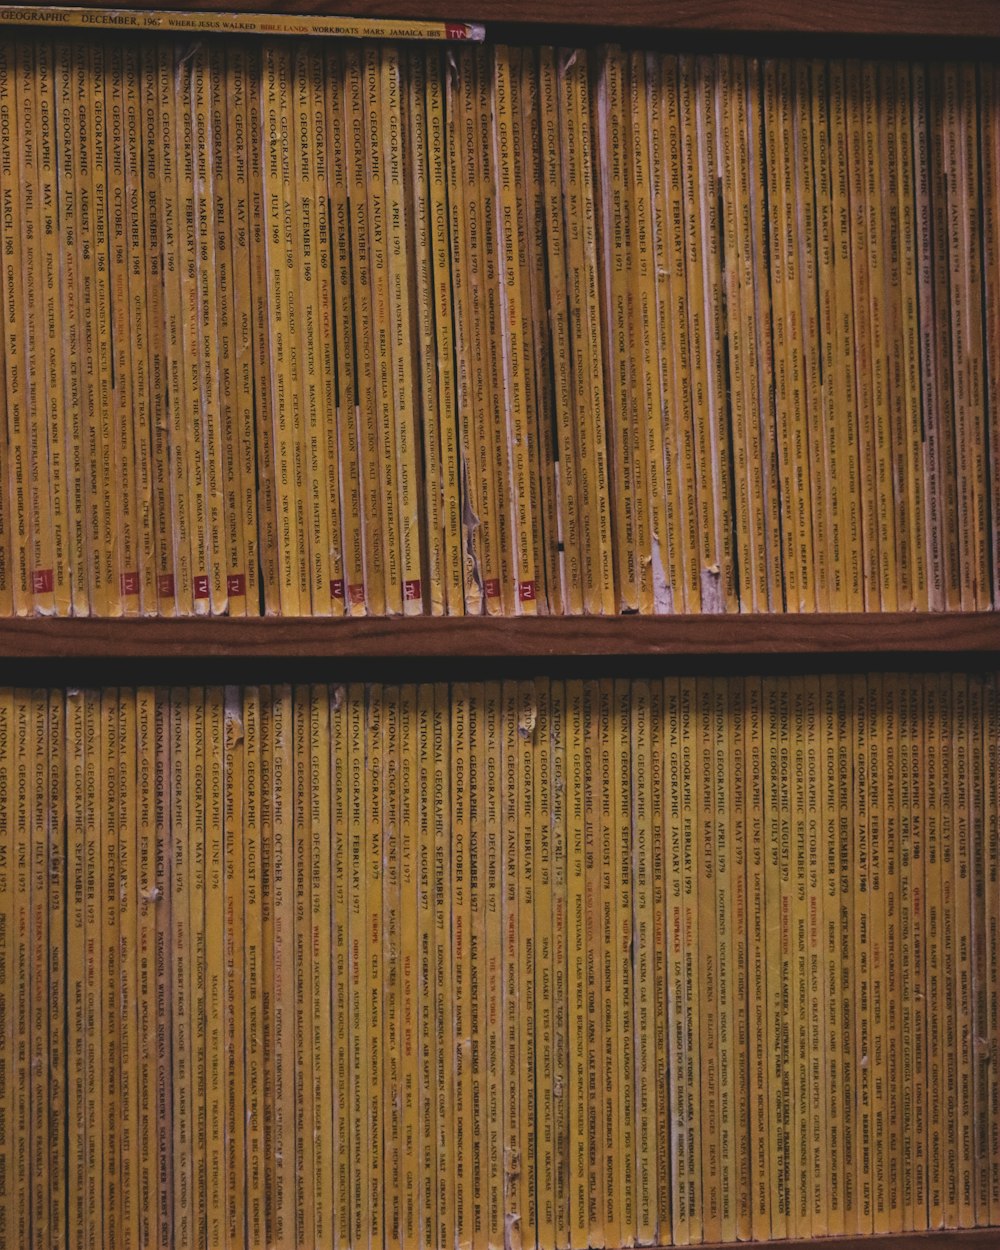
pixel 820 634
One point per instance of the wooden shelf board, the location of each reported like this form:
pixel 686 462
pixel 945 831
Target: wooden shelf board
pixel 443 637
pixel 960 18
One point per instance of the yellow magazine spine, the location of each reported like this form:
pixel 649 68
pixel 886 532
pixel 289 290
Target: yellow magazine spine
pixel 128 989
pixel 459 1025
pixel 75 970
pixel 150 282
pixel 827 442
pixel 266 817
pixel 170 157
pixel 345 458
pixel 328 363
pixel 55 414
pixel 709 123
pixel 990 727
pixel 282 309
pixel 892 699
pixel 458 582
pixel 58 890
pixel 676 352
pixel 241 23
pixel 964 1038
pixel 110 1028
pixel 909 173
pixel 338 1223
pixel 459 161
pixel 525 833
pixel 268 528
pixel 282 955
pixel 662 454
pixel 655 529
pixel 863 731
pixel 217 317
pixel 915 948
pixel 694 1123
pixel 123 400
pixel 832 1061
pixel 497 447
pixel 594 452
pixel 234 857
pixel 216 940
pixel 725 835
pixel 735 729
pixel 989 134
pixel 400 319
pixel 14 896
pixel 37 972
pixel 15 342
pixel 537 381
pixel 425 344
pixel 597 566
pixel 320 513
pixel 620 369
pixel 948 988
pixel 890 248
pixel 850 510
pixel 958 128
pixel 107 478
pixel 252 999
pixel 563 394
pixel 729 102
pixel 776 979
pixel 622 894
pixel 979 1027
pixel 196 811
pixel 303 1131
pixel 522 467
pixel 408 975
pixel 376 153
pixel 6 511
pixel 37 494
pixel 709 1003
pixel 91 958
pixel 444 1003
pixel 560 1002
pixel 546 1140
pixel 858 158
pixel 873 115
pixel 818 476
pixel 390 1039
pixel 671 768
pixel 605 865
pixel 136 426
pixel 577 1136
pixel 162 969
pixel 236 93
pixel 478 1143
pixel 817 1079
pixel 944 415
pixel 930 767
pixel 791 751
pixel 424 1004
pixel 877 900
pixel 661 1003
pixel 760 1108
pixel 357 757
pixel 504 1003
pixel 846 729
pixel 375 1167
pixel 644 849
pixel 20 955
pixel 378 591
pixel 319 950
pixel 601 1108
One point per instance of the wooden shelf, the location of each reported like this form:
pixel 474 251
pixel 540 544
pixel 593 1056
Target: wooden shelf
pixel 928 634
pixel 959 18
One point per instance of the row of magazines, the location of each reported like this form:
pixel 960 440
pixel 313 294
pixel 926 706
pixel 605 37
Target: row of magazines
pixel 320 327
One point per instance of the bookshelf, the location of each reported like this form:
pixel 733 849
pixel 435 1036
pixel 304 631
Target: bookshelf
pixel 45 650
